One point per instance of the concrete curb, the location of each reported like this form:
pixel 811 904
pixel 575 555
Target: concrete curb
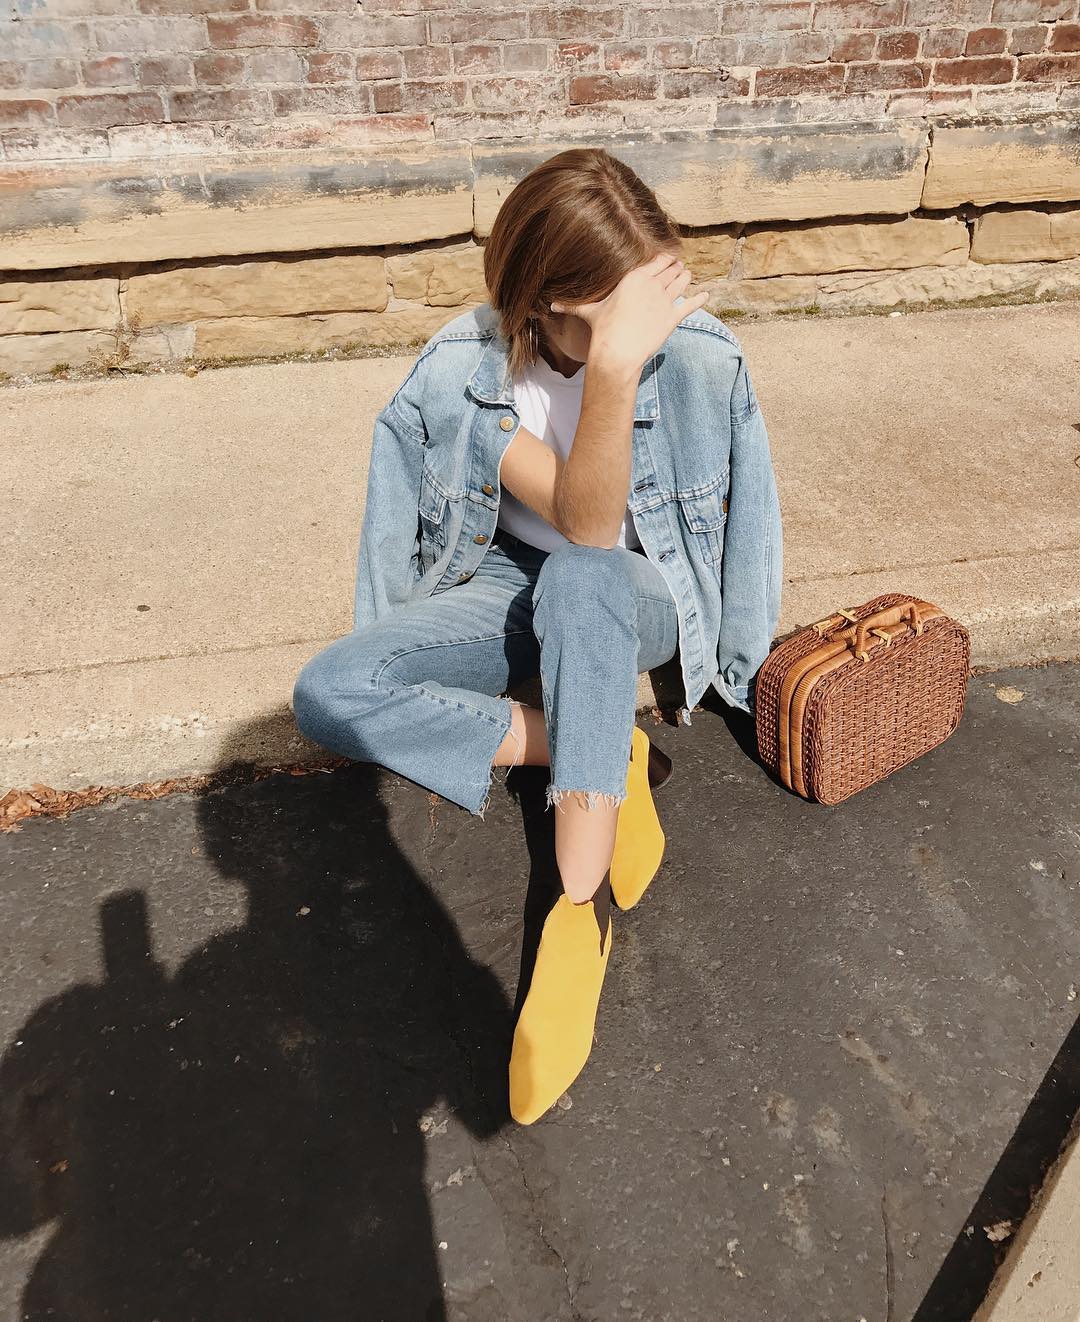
pixel 1039 1281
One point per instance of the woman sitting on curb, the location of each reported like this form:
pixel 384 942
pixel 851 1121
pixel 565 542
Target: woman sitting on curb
pixel 569 482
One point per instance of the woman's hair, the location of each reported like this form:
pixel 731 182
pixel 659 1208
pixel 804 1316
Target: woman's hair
pixel 569 231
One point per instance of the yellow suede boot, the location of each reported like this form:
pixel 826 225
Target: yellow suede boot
pixel 554 1031
pixel 639 839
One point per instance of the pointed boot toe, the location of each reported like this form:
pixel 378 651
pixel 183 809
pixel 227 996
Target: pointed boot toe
pixel 554 1032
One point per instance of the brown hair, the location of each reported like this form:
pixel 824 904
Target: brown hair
pixel 569 231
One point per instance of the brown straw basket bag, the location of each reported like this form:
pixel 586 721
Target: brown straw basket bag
pixel 849 700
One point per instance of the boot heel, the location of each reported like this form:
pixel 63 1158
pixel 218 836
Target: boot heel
pixel 660 767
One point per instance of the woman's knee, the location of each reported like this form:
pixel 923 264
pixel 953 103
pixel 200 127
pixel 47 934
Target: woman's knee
pixel 581 570
pixel 334 679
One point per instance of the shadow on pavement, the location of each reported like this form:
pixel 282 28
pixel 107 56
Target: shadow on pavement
pixel 245 1139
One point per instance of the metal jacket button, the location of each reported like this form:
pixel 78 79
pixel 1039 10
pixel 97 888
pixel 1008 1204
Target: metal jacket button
pixel 506 423
pixel 488 489
pixel 463 578
pixel 480 538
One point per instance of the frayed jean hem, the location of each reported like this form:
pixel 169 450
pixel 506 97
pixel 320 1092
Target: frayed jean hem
pixel 592 798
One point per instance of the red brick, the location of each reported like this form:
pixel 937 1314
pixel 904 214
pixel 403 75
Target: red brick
pixel 928 102
pixel 885 77
pixel 1030 11
pixel 562 23
pixel 970 73
pixel 25 114
pixel 985 41
pixel 526 56
pixel 261 30
pixel 27 75
pixel 745 17
pixel 832 14
pixel 897 46
pixel 453 94
pixel 478 58
pixel 322 101
pixel 387 98
pixel 673 54
pixel 807 47
pixel 308 6
pixel 794 80
pixel 427 61
pixel 500 93
pixel 683 83
pixel 275 65
pixel 591 88
pixel 165 71
pixel 578 54
pixel 374 64
pixel 109 71
pixel 718 50
pixel 179 7
pixel 330 66
pixel 218 70
pixel 677 20
pixel 102 112
pixel 27 40
pixel 625 55
pixel 1066 36
pixel 765 51
pixel 232 103
pixel 852 46
pixel 150 36
pixel 1049 68
pixel 943 43
pixel 495 25
pixel 1028 40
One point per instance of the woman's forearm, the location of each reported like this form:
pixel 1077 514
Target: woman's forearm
pixel 589 499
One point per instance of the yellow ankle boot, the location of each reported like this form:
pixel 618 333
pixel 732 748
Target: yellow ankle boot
pixel 639 839
pixel 554 1031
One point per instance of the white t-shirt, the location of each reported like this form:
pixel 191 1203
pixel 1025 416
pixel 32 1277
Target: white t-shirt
pixel 549 405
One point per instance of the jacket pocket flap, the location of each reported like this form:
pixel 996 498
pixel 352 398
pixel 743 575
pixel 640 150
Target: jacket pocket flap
pixel 704 511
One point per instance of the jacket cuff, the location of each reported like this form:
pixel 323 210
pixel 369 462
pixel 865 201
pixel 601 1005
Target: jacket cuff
pixel 735 695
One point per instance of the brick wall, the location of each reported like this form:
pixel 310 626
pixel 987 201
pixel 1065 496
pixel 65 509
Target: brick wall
pixel 94 79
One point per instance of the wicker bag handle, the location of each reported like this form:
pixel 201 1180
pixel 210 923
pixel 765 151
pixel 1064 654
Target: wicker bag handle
pixel 915 613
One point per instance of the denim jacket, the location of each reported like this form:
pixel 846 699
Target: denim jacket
pixel 702 490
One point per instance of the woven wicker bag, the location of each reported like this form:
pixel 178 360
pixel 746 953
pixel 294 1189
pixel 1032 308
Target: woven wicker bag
pixel 849 700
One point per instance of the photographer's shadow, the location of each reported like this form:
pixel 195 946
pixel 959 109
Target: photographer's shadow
pixel 245 1140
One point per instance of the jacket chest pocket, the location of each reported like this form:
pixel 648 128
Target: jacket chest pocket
pixel 433 520
pixel 705 514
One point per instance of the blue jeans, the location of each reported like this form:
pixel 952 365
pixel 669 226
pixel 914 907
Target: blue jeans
pixel 420 690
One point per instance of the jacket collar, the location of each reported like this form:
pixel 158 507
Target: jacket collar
pixel 491 381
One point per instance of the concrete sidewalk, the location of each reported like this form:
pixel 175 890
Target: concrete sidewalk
pixel 175 548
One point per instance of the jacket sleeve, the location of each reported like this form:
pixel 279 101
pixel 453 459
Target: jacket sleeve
pixel 752 565
pixel 389 532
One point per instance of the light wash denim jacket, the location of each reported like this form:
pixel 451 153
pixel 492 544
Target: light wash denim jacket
pixel 702 491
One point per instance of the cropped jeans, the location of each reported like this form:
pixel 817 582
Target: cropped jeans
pixel 422 690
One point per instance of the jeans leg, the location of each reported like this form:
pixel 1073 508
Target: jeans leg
pixel 417 691
pixel 602 616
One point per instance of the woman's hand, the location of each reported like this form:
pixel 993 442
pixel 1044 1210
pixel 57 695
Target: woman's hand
pixel 635 319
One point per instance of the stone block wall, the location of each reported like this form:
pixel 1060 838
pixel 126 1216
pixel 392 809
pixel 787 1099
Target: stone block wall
pixel 117 79
pixel 212 311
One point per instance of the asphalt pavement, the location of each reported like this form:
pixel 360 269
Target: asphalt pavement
pixel 254 1045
